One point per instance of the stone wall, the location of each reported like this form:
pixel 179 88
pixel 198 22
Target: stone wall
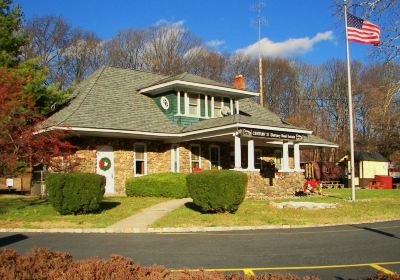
pixel 159 160
pixel 284 185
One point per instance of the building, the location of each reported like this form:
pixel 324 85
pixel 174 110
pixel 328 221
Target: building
pixel 366 166
pixel 132 123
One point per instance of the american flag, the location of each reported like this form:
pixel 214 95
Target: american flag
pixel 362 31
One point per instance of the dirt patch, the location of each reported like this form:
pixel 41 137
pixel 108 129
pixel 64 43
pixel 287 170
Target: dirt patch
pixel 10 224
pixel 56 224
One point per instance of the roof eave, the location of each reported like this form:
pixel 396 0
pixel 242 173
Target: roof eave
pixel 197 87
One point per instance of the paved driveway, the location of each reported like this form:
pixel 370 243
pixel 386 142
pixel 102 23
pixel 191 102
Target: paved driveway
pixel 331 252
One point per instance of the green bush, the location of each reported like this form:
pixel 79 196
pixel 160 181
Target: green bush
pixel 159 185
pixel 72 193
pixel 217 191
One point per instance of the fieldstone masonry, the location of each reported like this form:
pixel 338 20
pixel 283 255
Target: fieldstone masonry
pixel 283 185
pixel 159 160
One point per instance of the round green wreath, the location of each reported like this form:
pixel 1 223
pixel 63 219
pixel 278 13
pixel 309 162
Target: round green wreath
pixel 105 163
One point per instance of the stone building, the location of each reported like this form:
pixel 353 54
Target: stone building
pixel 133 123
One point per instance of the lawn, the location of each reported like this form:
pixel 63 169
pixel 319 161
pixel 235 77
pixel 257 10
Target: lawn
pixel 28 212
pixel 370 205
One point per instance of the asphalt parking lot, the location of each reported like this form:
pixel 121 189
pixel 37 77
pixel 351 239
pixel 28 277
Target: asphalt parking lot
pixel 353 271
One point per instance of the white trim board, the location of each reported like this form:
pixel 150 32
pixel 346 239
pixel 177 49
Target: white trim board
pixel 156 88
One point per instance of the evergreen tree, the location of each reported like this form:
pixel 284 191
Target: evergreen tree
pixel 11 39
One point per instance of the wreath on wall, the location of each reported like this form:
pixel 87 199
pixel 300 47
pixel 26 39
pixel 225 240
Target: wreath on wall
pixel 105 163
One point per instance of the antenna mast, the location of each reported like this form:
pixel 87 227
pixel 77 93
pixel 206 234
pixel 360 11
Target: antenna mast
pixel 260 20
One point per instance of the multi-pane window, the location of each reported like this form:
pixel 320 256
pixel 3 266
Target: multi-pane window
pixel 257 159
pixel 193 105
pixel 140 160
pixel 194 156
pixel 217 107
pixel 214 157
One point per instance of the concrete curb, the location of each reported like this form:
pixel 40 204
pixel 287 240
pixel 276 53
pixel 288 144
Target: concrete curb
pixel 174 230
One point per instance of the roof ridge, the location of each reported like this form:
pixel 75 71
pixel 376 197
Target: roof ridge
pixel 101 70
pixel 133 69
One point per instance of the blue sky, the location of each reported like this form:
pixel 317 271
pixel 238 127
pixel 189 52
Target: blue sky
pixel 301 29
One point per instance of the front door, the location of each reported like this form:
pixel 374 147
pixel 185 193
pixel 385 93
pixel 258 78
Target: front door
pixel 105 166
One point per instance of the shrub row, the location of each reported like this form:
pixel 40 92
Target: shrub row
pixel 44 264
pixel 72 193
pixel 160 185
pixel 217 191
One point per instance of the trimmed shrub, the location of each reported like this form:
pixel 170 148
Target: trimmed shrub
pixel 73 193
pixel 217 191
pixel 159 185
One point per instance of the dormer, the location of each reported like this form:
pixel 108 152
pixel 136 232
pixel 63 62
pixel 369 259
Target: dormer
pixel 188 98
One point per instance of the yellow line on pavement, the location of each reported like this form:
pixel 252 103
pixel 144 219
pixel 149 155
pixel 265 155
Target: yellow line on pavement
pixel 382 269
pixel 248 272
pixel 280 233
pixel 374 265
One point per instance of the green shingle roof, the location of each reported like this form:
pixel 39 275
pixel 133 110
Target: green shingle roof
pixel 110 99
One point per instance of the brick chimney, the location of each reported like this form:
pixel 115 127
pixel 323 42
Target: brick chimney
pixel 239 82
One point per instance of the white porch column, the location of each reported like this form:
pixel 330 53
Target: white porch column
pixel 237 106
pixel 297 157
pixel 285 154
pixel 212 107
pixel 178 102
pixel 198 106
pixel 186 103
pixel 238 153
pixel 231 106
pixel 250 155
pixel 206 105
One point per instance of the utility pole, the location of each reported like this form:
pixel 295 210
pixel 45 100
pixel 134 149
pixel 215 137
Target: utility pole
pixel 260 20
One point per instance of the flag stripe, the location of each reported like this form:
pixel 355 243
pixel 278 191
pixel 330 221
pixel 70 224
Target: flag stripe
pixel 362 31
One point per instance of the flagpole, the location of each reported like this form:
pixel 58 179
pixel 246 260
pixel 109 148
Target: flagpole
pixel 353 187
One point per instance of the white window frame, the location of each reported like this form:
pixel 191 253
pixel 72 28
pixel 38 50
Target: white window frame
pixel 255 158
pixel 173 159
pixel 219 156
pixel 219 105
pixel 193 95
pixel 190 156
pixel 144 159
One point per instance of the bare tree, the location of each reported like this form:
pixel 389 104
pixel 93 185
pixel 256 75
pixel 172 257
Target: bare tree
pixel 205 63
pixel 83 55
pixel 49 37
pixel 168 47
pixel 126 49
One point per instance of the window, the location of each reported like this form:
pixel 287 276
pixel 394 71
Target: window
pixel 217 107
pixel 278 159
pixel 140 160
pixel 193 105
pixel 195 161
pixel 174 158
pixel 214 157
pixel 257 159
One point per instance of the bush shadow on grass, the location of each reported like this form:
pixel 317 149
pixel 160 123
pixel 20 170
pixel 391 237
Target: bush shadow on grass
pixel 194 207
pixel 108 205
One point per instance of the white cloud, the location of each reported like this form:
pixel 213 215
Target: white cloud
pixel 288 48
pixel 215 43
pixel 162 21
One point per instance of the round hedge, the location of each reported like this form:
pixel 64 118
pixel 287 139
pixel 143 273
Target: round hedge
pixel 217 191
pixel 75 193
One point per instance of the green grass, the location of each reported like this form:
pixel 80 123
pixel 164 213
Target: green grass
pixel 28 212
pixel 370 205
